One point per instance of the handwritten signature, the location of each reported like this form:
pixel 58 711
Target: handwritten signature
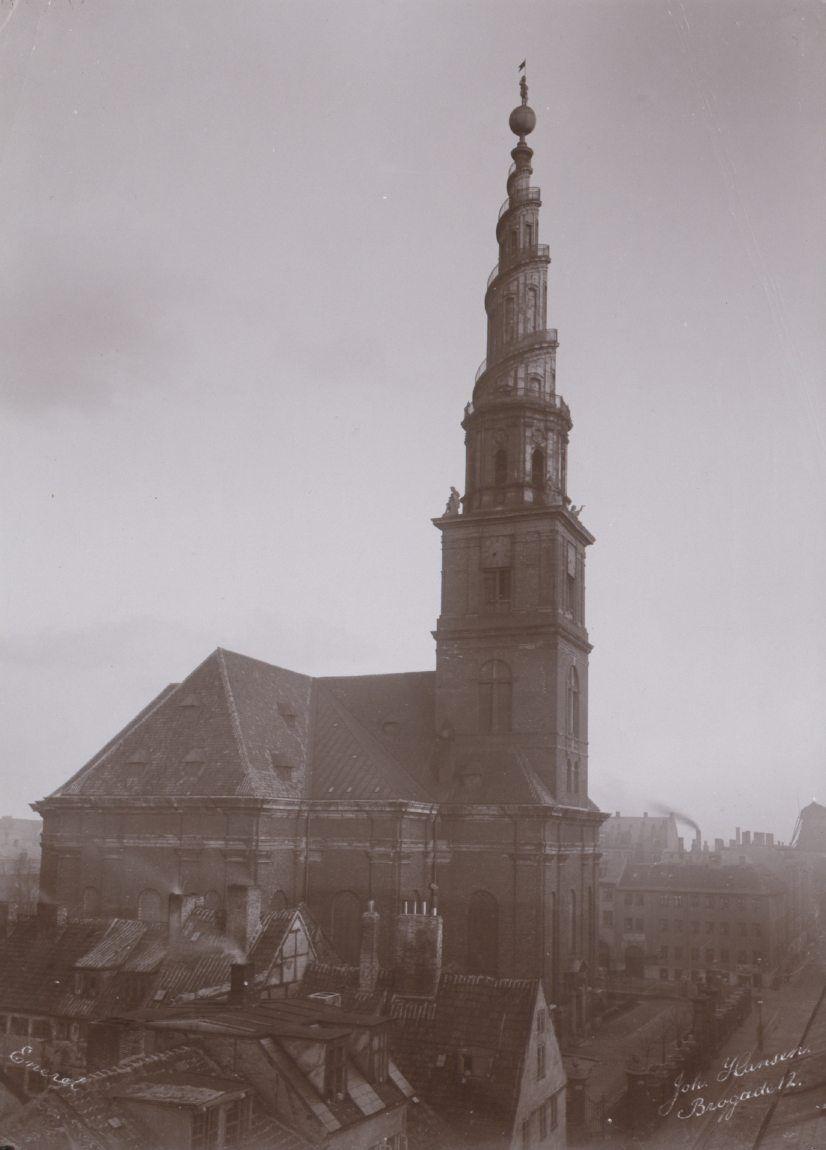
pixel 735 1067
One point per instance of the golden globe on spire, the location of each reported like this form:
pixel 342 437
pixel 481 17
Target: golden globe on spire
pixel 523 118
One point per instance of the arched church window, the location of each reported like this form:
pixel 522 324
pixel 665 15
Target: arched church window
pixel 483 934
pixel 576 777
pixel 345 924
pixel 495 695
pixel 573 702
pixel 538 467
pixel 573 921
pixel 570 777
pixel 500 468
pixel 149 906
pixel 91 902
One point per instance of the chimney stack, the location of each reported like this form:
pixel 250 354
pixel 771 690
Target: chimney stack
pixel 746 839
pixel 243 915
pixel 241 976
pixel 737 836
pixel 369 954
pixel 5 919
pixel 418 954
pixel 50 916
pixel 175 917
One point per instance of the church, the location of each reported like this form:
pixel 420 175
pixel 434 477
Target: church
pixel 463 790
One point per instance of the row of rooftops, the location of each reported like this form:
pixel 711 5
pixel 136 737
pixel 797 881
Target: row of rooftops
pixel 430 1039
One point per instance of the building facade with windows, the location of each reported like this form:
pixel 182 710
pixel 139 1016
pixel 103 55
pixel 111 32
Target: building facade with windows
pixel 467 785
pixel 690 922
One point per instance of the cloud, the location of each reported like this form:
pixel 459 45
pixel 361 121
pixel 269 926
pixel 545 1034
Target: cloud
pixel 75 336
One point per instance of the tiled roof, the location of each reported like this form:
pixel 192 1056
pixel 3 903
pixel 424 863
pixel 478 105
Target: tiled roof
pixel 235 726
pixel 241 727
pixel 352 762
pixel 743 879
pixel 469 1012
pixel 37 966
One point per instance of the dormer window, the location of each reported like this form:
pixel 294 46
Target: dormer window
pixel 335 1072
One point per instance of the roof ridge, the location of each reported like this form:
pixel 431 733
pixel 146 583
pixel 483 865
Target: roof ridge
pixel 222 651
pixel 233 712
pixel 364 736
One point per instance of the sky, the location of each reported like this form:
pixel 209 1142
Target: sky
pixel 243 252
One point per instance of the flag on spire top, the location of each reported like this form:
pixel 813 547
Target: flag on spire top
pixel 522 65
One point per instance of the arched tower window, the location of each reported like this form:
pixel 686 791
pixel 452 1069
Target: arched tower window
pixel 495 696
pixel 576 777
pixel 91 902
pixel 573 921
pixel 573 702
pixel 533 308
pixel 483 934
pixel 538 467
pixel 500 468
pixel 345 923
pixel 510 318
pixel 149 906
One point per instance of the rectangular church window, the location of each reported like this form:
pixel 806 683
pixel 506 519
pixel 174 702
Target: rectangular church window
pixel 497 586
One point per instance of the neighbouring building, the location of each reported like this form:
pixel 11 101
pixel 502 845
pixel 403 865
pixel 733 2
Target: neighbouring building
pixel 19 862
pixel 325 1071
pixel 177 1099
pixel 643 838
pixel 468 783
pixel 481 1052
pixel 676 922
pixel 58 976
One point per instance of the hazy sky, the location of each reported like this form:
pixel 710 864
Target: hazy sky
pixel 243 250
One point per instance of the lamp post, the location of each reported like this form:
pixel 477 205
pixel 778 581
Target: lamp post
pixel 760 1025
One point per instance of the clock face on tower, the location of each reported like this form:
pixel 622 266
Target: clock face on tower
pixel 496 552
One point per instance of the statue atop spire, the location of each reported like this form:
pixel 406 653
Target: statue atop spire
pixel 523 118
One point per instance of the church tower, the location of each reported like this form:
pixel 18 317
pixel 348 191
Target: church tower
pixel 512 648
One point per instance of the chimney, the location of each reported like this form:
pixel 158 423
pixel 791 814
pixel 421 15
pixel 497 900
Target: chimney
pixel 243 915
pixel 645 814
pixel 175 917
pixel 737 835
pixel 50 916
pixel 418 954
pixel 6 919
pixel 369 954
pixel 680 843
pixel 746 839
pixel 241 975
